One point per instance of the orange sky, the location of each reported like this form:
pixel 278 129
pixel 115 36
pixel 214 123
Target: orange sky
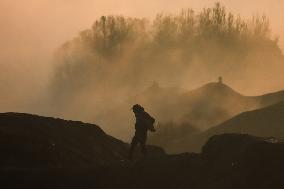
pixel 60 20
pixel 32 29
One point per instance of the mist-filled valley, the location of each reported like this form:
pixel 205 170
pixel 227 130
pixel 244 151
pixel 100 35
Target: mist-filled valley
pixel 120 61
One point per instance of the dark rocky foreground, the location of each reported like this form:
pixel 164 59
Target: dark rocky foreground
pixel 227 161
pixel 85 157
pixel 36 142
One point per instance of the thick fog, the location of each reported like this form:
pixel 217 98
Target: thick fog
pixel 33 32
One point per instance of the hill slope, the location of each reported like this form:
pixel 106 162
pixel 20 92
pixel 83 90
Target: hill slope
pixel 265 122
pixel 214 103
pixel 30 141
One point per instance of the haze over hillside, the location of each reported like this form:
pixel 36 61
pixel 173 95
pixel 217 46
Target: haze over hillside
pixel 265 122
pixel 203 108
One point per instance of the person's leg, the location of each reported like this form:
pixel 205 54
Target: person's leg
pixel 134 143
pixel 143 145
pixel 143 149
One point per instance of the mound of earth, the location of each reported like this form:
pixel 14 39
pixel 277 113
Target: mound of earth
pixel 35 142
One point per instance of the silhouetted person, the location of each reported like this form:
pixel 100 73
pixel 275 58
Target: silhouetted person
pixel 220 80
pixel 144 122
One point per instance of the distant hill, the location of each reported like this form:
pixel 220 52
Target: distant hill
pixel 216 102
pixel 31 141
pixel 213 103
pixel 202 109
pixel 270 98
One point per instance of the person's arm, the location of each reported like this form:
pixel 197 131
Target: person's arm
pixel 152 121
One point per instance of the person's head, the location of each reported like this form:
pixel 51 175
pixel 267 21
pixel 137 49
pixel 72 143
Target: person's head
pixel 137 108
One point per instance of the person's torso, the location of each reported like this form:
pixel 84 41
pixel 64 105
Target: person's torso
pixel 141 124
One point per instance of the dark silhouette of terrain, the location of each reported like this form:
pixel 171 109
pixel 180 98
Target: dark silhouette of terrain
pixel 204 107
pixel 35 142
pixel 226 161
